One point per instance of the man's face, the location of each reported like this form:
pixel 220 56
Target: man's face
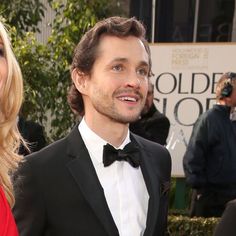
pixel 117 85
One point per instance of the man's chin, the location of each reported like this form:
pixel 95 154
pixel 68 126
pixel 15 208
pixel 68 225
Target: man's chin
pixel 132 119
pixel 125 119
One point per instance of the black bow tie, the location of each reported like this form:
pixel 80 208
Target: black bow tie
pixel 130 153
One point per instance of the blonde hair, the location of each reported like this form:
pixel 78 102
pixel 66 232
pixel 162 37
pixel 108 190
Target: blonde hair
pixel 11 96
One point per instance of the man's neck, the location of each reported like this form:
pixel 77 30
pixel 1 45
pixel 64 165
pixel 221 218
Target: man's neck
pixel 225 102
pixel 111 131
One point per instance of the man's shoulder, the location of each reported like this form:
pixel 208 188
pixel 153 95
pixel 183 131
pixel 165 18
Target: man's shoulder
pixel 157 155
pixel 210 115
pixel 59 148
pixel 144 142
pixel 150 146
pixel 50 152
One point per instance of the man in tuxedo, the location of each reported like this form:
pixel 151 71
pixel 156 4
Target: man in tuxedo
pixel 74 186
pixel 152 124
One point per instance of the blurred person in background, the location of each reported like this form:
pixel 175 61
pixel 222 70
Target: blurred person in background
pixel 33 134
pixel 152 124
pixel 209 162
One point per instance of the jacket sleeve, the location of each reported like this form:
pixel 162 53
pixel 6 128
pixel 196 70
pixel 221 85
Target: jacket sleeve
pixel 29 210
pixel 194 160
pixel 226 224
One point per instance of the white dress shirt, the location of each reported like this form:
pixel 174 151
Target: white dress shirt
pixel 124 187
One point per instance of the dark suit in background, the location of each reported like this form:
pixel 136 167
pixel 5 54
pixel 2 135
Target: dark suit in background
pixel 33 134
pixel 227 222
pixel 153 126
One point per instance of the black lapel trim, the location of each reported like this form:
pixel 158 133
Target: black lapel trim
pixel 152 184
pixel 83 172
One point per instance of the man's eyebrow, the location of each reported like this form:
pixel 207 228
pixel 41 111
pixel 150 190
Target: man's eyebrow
pixel 123 59
pixel 119 59
pixel 144 63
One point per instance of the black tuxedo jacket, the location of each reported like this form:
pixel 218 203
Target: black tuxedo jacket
pixel 58 192
pixel 227 223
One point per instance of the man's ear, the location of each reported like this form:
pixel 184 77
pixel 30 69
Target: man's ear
pixel 79 79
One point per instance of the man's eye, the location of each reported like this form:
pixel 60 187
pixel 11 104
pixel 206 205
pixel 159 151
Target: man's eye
pixel 142 72
pixel 117 68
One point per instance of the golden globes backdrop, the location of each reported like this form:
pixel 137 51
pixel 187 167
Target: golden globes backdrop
pixel 185 79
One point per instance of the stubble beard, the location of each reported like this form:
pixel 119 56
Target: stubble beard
pixel 111 111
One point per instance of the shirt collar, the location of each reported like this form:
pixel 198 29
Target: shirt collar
pixel 95 143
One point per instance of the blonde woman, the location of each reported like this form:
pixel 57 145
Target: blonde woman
pixel 11 87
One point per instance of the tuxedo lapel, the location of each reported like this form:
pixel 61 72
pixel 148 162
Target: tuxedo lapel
pixel 82 170
pixel 150 179
pixel 153 186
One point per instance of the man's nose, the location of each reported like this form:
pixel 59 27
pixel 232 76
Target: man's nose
pixel 133 81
